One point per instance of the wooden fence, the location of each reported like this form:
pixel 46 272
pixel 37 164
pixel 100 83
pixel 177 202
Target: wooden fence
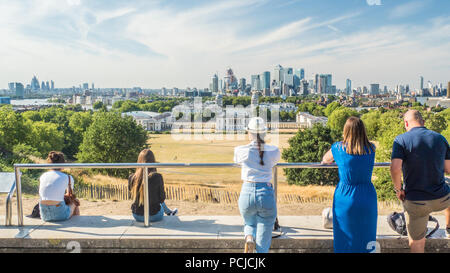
pixel 196 194
pixel 180 193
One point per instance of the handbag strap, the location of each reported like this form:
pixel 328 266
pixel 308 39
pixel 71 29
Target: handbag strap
pixel 69 190
pixel 432 219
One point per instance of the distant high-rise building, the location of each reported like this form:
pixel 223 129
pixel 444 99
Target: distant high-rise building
pixel 303 87
pixel 256 82
pixel 230 80
pixel 278 74
pixel 85 85
pixel 47 86
pixel 316 83
pixel 322 88
pixel 19 90
pixel 93 86
pixel 11 86
pixel 35 84
pixel 242 84
pixel 43 85
pixel 289 77
pixel 298 76
pixel 448 90
pixel 300 73
pixel 374 89
pixel 52 85
pixel 265 80
pixel 421 83
pixel 215 84
pixel 329 84
pixel 348 86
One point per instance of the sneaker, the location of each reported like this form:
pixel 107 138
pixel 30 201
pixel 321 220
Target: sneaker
pixel 174 212
pixel 249 244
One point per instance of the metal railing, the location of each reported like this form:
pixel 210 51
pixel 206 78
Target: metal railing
pixel 18 167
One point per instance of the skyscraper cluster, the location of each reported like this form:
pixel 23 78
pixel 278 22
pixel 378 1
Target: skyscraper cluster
pixel 44 86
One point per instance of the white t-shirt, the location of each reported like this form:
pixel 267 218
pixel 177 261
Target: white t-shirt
pixel 53 185
pixel 251 169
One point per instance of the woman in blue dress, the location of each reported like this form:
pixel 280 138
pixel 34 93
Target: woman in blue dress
pixel 355 199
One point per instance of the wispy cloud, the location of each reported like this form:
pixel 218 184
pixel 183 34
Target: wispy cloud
pixel 407 9
pixel 165 43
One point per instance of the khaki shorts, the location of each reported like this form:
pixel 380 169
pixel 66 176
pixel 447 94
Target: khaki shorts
pixel 418 212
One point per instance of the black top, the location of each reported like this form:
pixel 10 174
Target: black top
pixel 156 195
pixel 423 153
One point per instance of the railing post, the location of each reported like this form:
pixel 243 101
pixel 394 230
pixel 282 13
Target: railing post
pixel 276 226
pixel 146 198
pixel 19 197
pixel 275 182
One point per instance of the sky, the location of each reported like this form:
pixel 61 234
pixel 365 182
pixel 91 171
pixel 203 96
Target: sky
pixel 183 43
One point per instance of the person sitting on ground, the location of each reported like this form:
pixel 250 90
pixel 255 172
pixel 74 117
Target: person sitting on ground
pixel 156 191
pixel 52 187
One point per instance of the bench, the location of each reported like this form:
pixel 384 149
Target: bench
pixel 8 185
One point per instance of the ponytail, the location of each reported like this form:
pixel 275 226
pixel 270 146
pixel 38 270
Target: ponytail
pixel 260 141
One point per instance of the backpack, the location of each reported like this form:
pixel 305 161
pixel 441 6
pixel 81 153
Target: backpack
pixel 397 222
pixel 36 212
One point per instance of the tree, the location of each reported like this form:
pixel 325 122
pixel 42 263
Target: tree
pixel 331 107
pixel 129 106
pixel 32 115
pixel 112 138
pixel 435 122
pixel 78 124
pixel 97 105
pixel 389 127
pixel 372 123
pixel 309 146
pixel 45 137
pixel 12 128
pixel 338 117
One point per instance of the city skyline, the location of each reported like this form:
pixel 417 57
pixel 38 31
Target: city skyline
pixel 177 44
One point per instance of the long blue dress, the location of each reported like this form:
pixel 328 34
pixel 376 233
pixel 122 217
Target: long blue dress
pixel 355 203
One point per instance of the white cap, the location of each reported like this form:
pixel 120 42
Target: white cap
pixel 257 125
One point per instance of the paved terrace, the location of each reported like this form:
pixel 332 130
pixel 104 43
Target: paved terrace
pixel 185 234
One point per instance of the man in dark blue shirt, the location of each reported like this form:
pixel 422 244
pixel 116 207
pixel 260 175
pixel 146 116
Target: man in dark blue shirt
pixel 423 156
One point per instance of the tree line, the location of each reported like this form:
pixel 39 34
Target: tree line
pixel 382 125
pixel 83 136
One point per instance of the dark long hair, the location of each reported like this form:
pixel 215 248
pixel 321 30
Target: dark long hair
pixel 55 157
pixel 145 156
pixel 260 141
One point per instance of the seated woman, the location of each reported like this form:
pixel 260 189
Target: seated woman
pixel 355 200
pixel 156 191
pixel 52 187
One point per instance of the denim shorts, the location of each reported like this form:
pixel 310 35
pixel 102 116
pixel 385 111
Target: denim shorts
pixel 153 218
pixel 59 212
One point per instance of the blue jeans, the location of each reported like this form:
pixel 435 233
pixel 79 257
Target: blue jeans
pixel 59 212
pixel 258 208
pixel 154 218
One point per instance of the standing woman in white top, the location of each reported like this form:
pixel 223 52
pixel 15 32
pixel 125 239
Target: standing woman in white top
pixel 257 200
pixel 52 187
